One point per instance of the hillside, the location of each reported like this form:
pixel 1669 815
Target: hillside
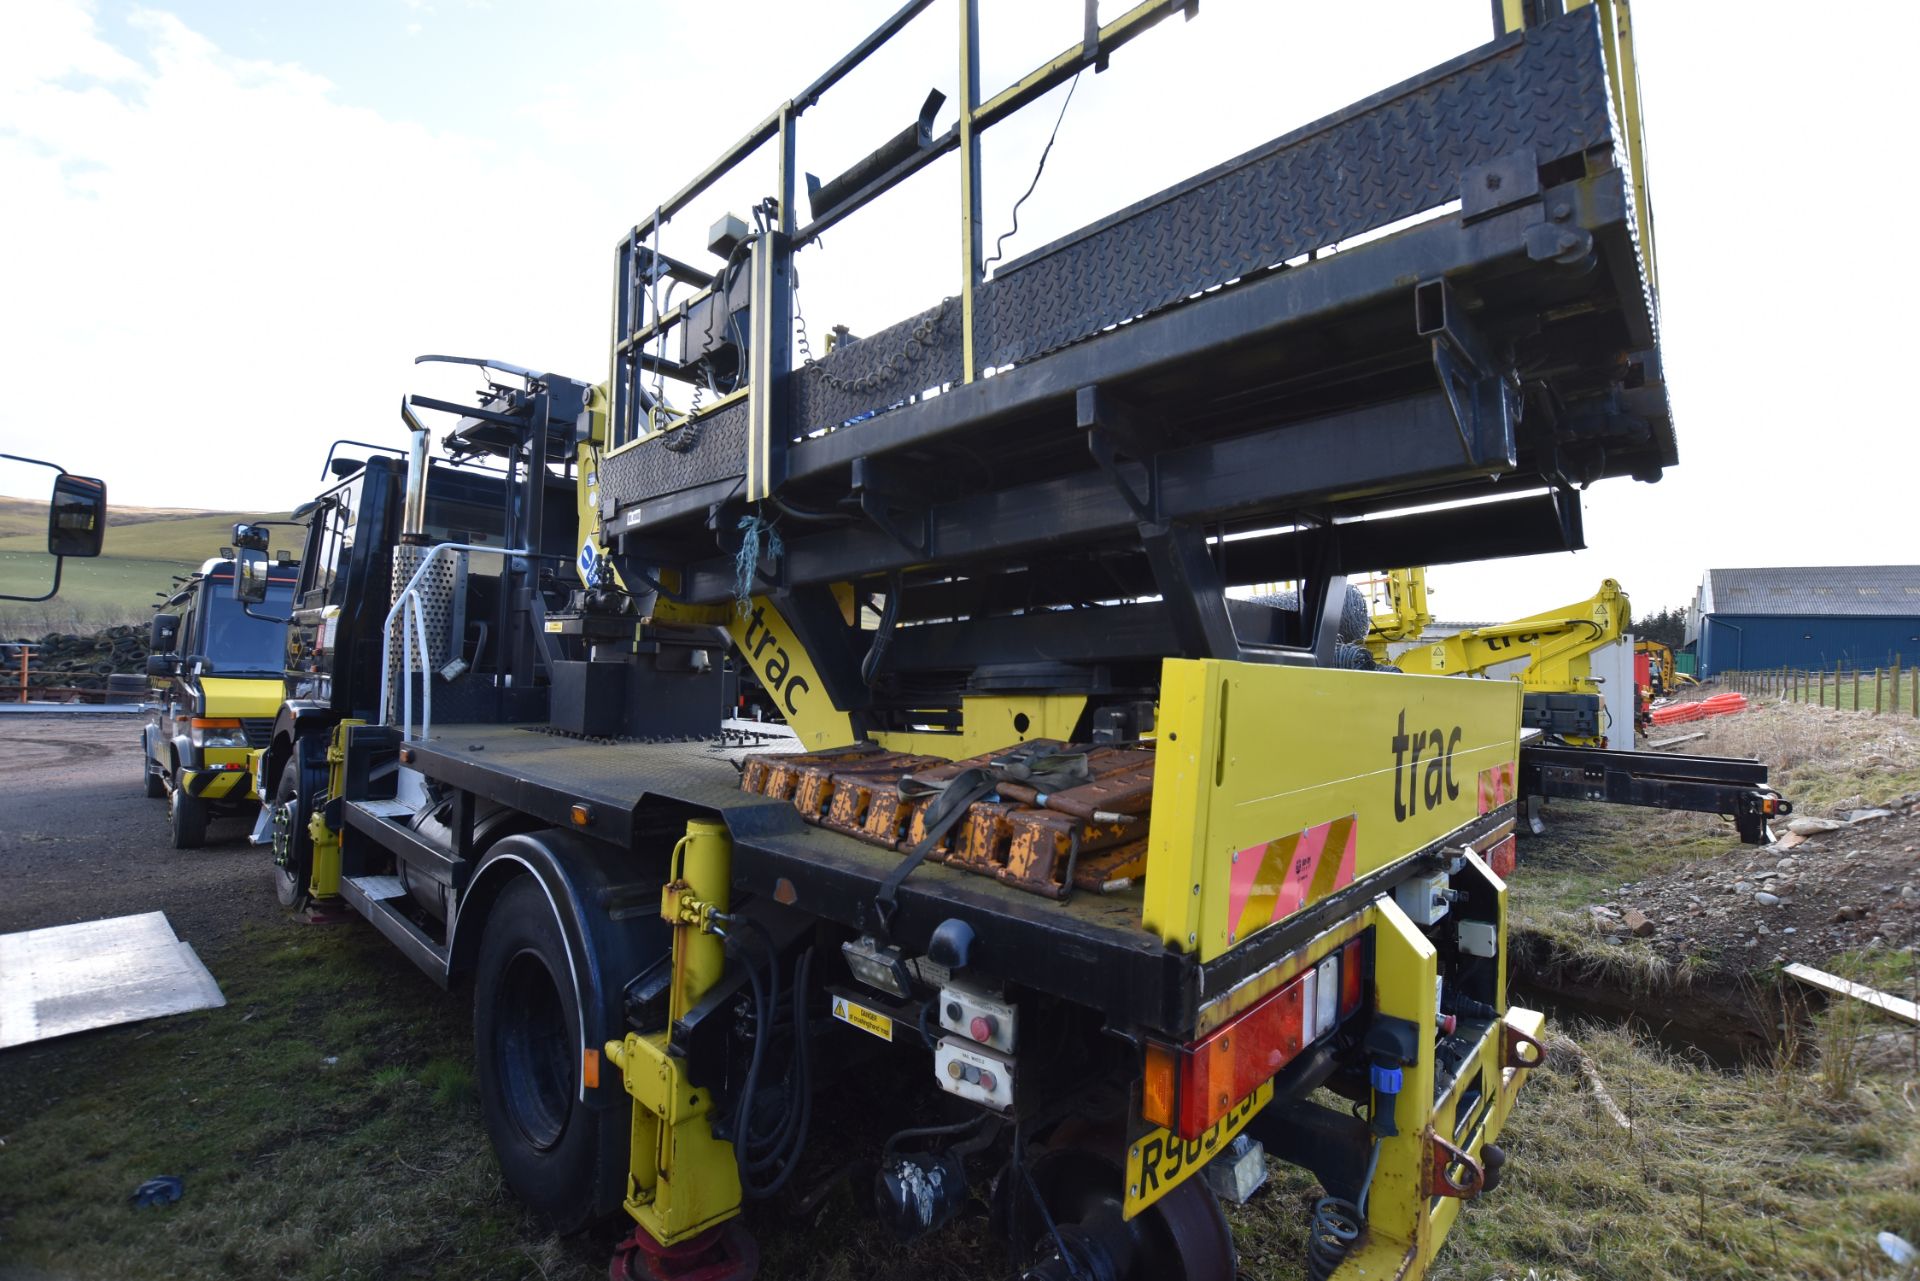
pixel 145 548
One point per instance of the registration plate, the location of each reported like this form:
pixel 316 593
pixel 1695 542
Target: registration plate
pixel 1160 1160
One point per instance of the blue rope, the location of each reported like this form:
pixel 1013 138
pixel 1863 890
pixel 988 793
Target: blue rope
pixel 746 563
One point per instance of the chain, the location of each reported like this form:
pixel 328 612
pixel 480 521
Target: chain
pixel 919 338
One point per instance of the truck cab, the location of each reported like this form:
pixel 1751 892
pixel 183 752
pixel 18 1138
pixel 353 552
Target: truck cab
pixel 216 671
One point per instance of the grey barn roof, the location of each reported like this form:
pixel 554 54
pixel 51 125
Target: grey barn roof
pixel 1879 591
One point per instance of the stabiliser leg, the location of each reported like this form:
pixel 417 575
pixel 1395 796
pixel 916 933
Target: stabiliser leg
pixel 683 1184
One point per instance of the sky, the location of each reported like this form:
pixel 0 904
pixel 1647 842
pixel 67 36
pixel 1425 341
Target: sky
pixel 229 227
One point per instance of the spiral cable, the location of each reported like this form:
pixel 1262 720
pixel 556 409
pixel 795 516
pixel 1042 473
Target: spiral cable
pixel 1331 1234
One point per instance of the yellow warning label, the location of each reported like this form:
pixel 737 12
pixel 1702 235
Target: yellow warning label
pixel 554 625
pixel 863 1018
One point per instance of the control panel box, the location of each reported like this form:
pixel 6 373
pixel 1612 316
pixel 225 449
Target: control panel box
pixel 976 1074
pixel 977 1015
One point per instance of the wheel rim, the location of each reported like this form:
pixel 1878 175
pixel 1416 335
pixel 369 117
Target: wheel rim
pixel 283 813
pixel 531 1050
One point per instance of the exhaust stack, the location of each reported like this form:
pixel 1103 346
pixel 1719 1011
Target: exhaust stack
pixel 413 516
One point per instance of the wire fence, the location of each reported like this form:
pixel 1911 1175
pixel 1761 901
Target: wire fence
pixel 1891 690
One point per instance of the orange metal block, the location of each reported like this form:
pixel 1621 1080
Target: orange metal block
pixel 1044 843
pixel 1114 868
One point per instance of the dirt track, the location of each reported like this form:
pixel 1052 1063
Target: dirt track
pixel 79 840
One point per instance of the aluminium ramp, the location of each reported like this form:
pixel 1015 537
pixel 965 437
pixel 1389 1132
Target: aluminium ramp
pixel 72 978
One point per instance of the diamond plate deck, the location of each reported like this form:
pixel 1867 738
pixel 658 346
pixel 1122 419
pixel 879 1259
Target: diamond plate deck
pixel 1382 160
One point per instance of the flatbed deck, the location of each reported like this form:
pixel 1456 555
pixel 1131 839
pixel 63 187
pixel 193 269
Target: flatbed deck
pixel 1091 948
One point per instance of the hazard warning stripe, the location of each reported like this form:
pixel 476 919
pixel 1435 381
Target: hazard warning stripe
pixel 1497 786
pixel 1281 876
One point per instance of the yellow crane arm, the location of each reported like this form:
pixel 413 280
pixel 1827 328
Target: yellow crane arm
pixel 1556 643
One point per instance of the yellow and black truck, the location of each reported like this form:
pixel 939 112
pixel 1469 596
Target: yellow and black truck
pixel 1123 876
pixel 216 670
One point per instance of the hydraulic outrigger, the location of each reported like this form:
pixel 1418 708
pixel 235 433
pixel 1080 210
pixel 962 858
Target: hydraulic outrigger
pixel 996 618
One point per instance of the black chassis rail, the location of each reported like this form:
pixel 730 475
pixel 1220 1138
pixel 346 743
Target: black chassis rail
pixel 1730 785
pixel 1062 949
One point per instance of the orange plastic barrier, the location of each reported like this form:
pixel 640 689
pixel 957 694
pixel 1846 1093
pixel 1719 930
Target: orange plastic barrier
pixel 1718 705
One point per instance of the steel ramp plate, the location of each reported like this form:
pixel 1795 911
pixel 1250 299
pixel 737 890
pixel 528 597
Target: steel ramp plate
pixel 70 978
pixel 379 888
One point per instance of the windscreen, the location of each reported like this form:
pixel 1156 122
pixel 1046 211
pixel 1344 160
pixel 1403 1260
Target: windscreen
pixel 234 641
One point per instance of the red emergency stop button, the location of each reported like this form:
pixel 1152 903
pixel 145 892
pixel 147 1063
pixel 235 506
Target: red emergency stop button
pixel 983 1027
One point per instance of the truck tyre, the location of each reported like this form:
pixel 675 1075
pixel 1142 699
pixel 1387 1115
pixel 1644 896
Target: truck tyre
pixel 156 784
pixel 188 818
pixel 292 842
pixel 526 1031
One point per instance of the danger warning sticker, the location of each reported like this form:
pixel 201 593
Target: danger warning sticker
pixel 863 1018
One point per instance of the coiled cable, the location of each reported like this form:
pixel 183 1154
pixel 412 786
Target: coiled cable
pixel 1336 1225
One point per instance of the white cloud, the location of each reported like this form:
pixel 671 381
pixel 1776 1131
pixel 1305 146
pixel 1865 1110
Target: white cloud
pixel 227 267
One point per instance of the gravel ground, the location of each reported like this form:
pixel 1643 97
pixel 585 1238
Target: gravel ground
pixel 80 841
pixel 1809 898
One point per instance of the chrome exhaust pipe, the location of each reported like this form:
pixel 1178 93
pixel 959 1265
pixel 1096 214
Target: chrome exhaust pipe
pixel 413 516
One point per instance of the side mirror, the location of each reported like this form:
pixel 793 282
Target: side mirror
pixel 249 579
pixel 162 665
pixel 162 633
pixel 77 519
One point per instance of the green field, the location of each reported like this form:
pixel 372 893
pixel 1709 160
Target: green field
pixel 145 548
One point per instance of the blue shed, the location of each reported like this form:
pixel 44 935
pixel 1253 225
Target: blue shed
pixel 1806 616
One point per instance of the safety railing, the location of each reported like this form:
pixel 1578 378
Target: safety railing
pixel 408 611
pixel 643 318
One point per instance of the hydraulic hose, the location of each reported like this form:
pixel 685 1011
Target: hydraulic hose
pixel 779 1152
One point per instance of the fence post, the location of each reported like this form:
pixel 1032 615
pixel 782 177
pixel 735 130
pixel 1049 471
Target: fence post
pixel 1822 693
pixel 1856 687
pixel 1876 691
pixel 24 652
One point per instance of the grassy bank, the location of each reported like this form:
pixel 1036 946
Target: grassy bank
pixel 325 1125
pixel 144 548
pixel 323 1122
pixel 1780 1171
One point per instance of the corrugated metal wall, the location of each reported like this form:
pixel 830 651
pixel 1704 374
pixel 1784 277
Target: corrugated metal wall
pixel 1759 642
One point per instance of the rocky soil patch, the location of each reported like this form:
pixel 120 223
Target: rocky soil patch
pixel 1831 884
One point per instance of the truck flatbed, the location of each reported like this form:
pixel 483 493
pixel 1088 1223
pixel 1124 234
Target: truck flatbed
pixel 1090 946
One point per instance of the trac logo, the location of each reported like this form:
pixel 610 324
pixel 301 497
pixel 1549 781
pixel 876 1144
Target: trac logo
pixel 1414 792
pixel 777 667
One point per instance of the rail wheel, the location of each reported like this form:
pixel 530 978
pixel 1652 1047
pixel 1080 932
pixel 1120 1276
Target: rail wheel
pixel 1182 1237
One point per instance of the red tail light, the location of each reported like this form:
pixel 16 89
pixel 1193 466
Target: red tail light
pixel 1352 976
pixel 1503 858
pixel 1189 1087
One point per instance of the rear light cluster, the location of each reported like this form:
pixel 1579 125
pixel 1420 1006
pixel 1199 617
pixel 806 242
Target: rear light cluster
pixel 1503 858
pixel 1189 1087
